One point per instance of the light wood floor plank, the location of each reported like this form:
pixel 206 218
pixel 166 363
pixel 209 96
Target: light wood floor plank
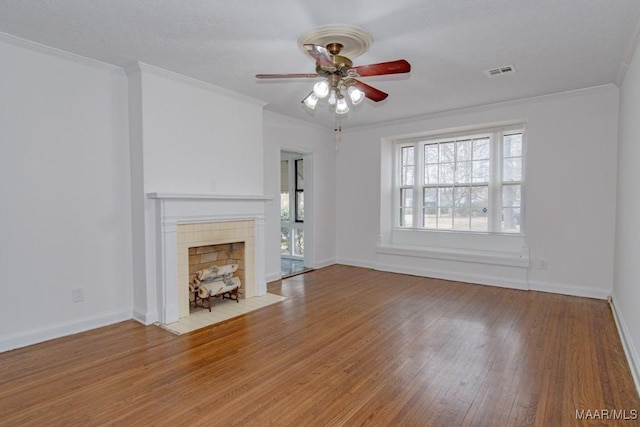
pixel 349 346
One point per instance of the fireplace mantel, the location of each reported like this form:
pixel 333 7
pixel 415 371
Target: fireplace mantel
pixel 186 196
pixel 172 209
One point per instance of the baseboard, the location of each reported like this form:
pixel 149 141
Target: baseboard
pixel 39 335
pixel 144 317
pixel 502 282
pixel 272 277
pixel 459 277
pixel 564 289
pixel 627 343
pixel 355 263
pixel 324 263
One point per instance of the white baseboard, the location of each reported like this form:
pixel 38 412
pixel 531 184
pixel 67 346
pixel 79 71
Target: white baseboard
pixel 627 343
pixel 324 263
pixel 356 263
pixel 145 317
pixel 272 277
pixel 457 276
pixel 500 281
pixel 564 289
pixel 35 336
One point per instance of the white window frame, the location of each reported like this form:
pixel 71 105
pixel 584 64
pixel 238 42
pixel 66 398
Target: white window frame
pixel 295 227
pixel 495 209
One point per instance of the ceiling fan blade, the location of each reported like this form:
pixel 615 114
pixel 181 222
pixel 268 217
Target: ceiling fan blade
pixel 391 67
pixel 285 76
pixel 321 55
pixel 370 92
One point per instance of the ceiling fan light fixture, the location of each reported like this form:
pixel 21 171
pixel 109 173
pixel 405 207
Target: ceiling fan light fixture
pixel 355 94
pixel 332 97
pixel 332 48
pixel 311 100
pixel 321 89
pixel 341 106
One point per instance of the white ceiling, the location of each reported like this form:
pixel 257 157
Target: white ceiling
pixel 555 45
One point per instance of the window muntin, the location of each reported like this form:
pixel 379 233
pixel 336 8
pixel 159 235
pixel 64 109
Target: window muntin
pixel 512 182
pixel 462 183
pixel 407 180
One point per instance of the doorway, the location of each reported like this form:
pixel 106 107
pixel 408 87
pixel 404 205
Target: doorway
pixel 293 221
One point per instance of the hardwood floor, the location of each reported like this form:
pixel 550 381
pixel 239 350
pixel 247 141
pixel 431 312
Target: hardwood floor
pixel 349 346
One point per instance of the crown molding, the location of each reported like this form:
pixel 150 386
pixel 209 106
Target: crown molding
pixel 139 67
pixel 58 53
pixel 484 107
pixel 223 197
pixel 269 113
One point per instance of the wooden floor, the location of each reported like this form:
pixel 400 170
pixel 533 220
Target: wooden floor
pixel 349 346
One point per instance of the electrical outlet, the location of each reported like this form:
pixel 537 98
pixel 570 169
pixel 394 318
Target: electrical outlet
pixel 77 295
pixel 543 264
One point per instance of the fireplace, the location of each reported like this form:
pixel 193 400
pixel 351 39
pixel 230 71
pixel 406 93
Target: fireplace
pixel 202 245
pixel 184 221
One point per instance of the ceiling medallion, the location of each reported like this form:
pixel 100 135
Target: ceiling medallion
pixel 355 41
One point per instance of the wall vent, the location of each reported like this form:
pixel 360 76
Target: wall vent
pixel 507 69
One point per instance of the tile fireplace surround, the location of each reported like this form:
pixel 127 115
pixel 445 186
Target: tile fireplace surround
pixel 189 220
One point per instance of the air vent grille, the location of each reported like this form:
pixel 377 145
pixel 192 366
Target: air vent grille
pixel 507 69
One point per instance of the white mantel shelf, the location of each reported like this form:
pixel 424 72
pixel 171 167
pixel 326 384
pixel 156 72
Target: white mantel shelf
pixel 188 196
pixel 174 209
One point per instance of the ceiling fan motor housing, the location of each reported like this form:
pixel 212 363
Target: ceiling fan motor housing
pixel 342 65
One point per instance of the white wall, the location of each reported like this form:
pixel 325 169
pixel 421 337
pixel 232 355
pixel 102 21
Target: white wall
pixel 626 290
pixel 64 195
pixel 282 133
pixel 199 140
pixel 188 137
pixel 570 192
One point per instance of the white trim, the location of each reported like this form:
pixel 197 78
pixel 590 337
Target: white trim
pixel 455 276
pixel 564 289
pixel 39 335
pixel 192 219
pixel 59 53
pixel 273 277
pixel 495 181
pixel 324 263
pixel 481 108
pixel 356 263
pixel 627 343
pixel 189 196
pixel 454 254
pixel 193 82
pixel 567 289
pixel 145 317
pixel 298 121
pixel 173 209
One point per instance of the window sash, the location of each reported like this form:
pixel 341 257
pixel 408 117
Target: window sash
pixel 480 168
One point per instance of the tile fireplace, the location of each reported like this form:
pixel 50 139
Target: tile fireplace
pixel 185 221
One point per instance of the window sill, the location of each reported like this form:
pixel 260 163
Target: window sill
pixel 509 259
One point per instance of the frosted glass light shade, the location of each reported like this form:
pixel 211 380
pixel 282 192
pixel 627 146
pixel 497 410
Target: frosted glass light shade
pixel 311 100
pixel 355 94
pixel 332 97
pixel 341 106
pixel 321 89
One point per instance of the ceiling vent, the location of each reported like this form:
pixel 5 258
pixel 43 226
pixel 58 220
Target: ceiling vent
pixel 507 69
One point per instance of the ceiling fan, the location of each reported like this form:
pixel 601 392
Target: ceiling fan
pixel 341 77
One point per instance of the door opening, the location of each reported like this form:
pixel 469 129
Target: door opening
pixel 292 214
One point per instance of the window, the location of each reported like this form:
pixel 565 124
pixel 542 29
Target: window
pixel 470 182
